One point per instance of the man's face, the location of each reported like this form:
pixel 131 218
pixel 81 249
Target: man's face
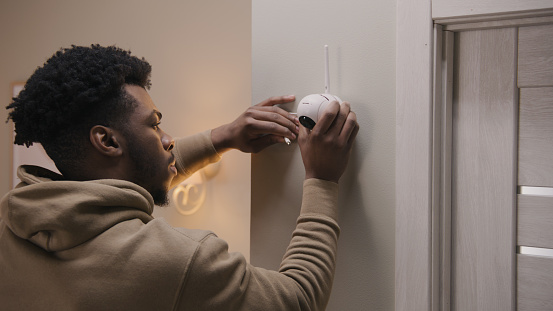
pixel 152 165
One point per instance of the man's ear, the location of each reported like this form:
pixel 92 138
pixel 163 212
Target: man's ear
pixel 106 141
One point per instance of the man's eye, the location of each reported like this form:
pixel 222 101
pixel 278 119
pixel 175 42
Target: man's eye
pixel 156 126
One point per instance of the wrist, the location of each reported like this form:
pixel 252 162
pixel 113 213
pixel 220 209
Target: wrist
pixel 320 177
pixel 220 139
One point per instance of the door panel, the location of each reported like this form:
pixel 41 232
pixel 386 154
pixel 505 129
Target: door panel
pixel 535 61
pixel 536 136
pixel 535 221
pixel 535 283
pixel 535 212
pixel 485 104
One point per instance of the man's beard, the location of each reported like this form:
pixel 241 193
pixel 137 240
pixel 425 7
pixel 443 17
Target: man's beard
pixel 144 170
pixel 160 196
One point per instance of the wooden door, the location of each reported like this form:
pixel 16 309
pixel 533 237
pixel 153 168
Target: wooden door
pixel 502 142
pixel 535 169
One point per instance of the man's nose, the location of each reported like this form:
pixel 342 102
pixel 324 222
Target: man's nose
pixel 167 141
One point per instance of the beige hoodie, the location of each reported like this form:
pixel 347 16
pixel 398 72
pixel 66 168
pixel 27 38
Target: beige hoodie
pixel 93 245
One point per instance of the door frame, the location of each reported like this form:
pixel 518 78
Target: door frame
pixel 414 58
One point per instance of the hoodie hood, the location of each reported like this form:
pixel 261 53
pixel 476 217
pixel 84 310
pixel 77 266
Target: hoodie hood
pixel 58 214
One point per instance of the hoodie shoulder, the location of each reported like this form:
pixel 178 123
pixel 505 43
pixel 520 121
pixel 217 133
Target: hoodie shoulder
pixel 59 214
pixel 194 234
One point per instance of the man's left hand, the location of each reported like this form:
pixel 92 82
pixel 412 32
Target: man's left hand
pixel 258 127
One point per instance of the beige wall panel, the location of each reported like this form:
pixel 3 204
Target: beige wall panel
pixel 536 137
pixel 535 221
pixel 483 199
pixel 535 283
pixel 535 58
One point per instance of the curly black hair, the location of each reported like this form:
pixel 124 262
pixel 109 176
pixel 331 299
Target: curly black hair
pixel 75 89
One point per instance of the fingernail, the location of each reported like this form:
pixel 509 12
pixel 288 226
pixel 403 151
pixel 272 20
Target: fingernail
pixel 290 96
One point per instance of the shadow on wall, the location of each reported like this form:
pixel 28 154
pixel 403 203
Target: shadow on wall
pixel 277 177
pixel 357 243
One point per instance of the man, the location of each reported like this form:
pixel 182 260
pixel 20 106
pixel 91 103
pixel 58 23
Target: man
pixel 86 240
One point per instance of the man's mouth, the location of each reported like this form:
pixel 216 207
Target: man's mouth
pixel 172 165
pixel 173 169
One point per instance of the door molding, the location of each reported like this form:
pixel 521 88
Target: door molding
pixel 423 174
pixel 414 121
pixel 441 167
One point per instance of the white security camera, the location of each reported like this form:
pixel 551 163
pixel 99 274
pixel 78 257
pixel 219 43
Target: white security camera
pixel 311 108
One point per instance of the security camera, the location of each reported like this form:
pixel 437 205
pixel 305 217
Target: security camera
pixel 311 107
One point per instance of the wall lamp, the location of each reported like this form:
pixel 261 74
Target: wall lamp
pixel 189 196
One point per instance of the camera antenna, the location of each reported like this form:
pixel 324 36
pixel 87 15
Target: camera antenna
pixel 327 78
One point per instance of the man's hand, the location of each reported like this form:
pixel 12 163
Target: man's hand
pixel 258 127
pixel 326 148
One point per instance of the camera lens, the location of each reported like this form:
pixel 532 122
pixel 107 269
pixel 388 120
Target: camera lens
pixel 307 122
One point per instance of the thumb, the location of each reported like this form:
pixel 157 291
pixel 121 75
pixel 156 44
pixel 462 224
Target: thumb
pixel 303 133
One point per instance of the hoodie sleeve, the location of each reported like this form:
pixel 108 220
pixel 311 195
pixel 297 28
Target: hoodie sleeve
pixel 193 153
pixel 219 280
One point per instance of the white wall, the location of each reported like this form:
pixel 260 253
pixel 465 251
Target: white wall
pixel 287 44
pixel 201 58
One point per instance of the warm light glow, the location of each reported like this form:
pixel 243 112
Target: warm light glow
pixel 190 195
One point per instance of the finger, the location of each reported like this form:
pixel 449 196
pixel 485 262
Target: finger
pixel 276 100
pixel 288 115
pixel 326 120
pixel 303 134
pixel 277 115
pixel 353 134
pixel 340 119
pixel 258 128
pixel 350 128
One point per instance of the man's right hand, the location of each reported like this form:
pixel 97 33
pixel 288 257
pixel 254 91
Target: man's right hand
pixel 326 148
